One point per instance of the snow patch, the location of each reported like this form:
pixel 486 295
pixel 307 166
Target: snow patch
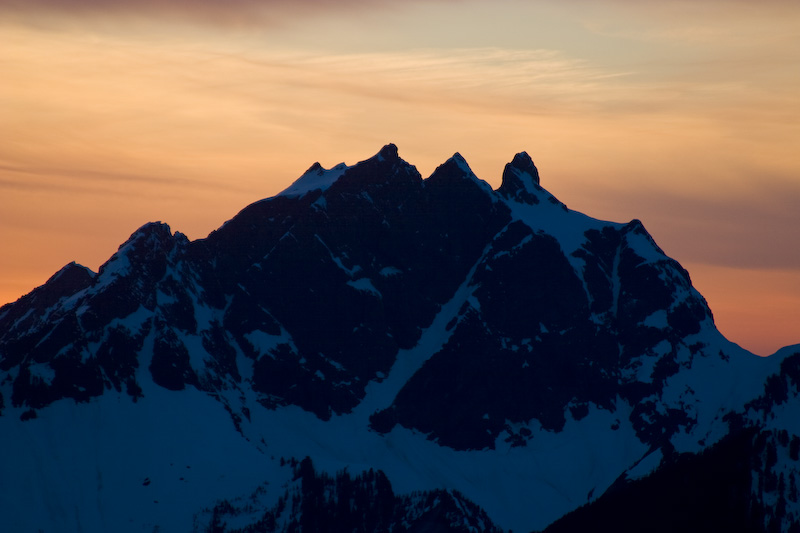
pixel 646 465
pixel 388 272
pixel 365 285
pixel 657 320
pixel 351 272
pixel 43 372
pixel 263 342
pixel 115 465
pixel 316 178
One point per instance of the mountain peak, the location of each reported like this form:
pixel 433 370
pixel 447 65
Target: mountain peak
pixel 318 178
pixel 70 279
pixel 521 180
pixel 70 272
pixel 523 163
pixel 459 160
pixel 388 152
pixel 152 240
pixel 456 170
pixel 153 236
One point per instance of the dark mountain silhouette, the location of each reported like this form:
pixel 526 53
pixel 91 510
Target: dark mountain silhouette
pixel 370 350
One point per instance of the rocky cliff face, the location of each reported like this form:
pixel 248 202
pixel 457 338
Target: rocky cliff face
pixel 449 336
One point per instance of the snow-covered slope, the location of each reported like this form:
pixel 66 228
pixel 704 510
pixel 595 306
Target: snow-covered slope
pixel 446 355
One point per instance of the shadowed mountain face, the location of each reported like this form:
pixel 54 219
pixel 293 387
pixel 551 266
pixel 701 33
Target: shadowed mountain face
pixel 436 331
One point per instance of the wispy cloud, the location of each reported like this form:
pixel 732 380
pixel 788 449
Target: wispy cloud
pixel 226 13
pixel 519 81
pixel 107 182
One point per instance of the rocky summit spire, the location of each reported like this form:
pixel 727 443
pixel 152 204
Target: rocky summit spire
pixel 521 179
pixel 523 163
pixel 389 152
pixel 457 172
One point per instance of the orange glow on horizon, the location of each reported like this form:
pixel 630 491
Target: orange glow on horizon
pixel 688 120
pixel 756 308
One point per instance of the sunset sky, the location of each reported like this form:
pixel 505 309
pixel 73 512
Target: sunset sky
pixel 684 114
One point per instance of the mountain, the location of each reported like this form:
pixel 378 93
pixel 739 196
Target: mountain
pixel 370 350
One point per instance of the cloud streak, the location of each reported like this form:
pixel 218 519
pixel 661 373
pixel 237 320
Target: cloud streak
pixel 71 180
pixel 223 13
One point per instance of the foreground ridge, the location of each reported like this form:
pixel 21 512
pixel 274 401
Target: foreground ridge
pixel 445 355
